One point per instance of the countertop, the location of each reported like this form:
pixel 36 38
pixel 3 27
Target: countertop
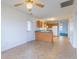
pixel 41 31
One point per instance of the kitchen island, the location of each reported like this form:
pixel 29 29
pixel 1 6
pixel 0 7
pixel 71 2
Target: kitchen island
pixel 44 36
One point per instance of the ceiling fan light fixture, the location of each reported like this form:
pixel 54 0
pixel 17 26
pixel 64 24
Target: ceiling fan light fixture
pixel 29 1
pixel 29 6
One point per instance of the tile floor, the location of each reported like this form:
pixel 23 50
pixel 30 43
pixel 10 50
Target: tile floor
pixel 59 49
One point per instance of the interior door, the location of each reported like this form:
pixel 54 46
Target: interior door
pixel 54 29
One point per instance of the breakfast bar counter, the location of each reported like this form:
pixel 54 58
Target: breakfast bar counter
pixel 44 36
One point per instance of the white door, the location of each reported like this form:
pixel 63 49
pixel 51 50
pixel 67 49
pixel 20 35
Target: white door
pixel 54 30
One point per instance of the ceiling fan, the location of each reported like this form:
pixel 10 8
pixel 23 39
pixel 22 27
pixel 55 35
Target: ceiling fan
pixel 30 3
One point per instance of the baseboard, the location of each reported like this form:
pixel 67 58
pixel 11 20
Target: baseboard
pixel 14 46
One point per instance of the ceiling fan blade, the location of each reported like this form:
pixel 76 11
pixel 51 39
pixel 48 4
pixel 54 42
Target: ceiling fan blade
pixel 39 5
pixel 19 4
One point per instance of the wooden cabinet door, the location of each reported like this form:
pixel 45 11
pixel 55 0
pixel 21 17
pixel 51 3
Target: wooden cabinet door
pixel 39 24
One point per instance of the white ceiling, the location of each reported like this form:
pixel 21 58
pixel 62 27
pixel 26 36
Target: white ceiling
pixel 51 9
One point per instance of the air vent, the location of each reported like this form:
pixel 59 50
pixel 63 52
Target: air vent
pixel 67 3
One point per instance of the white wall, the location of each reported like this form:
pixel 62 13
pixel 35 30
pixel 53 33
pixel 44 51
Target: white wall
pixel 13 28
pixel 72 31
pixel 72 26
